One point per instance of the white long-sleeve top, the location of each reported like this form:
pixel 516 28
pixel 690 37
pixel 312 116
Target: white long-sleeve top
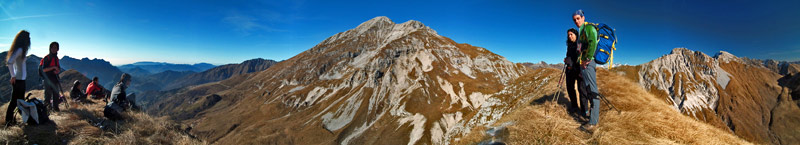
pixel 16 65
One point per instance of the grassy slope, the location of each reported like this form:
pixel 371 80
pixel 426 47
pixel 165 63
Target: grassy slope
pixel 75 126
pixel 644 120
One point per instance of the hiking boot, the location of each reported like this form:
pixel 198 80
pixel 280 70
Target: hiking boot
pixel 11 123
pixel 588 128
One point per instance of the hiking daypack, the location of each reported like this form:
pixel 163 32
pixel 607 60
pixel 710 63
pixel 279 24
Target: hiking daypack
pixel 41 114
pixel 606 44
pixel 41 110
pixel 41 73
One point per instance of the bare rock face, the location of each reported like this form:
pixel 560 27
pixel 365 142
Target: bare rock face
pixel 780 67
pixel 738 94
pixel 379 83
pixel 689 78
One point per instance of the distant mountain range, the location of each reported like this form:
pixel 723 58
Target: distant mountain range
pixel 221 72
pixel 157 67
pixel 166 74
pixel 106 73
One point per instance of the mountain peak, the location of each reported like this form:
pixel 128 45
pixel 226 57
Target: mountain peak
pixel 380 29
pixel 724 56
pixel 380 22
pixel 384 23
pixel 681 50
pixel 413 24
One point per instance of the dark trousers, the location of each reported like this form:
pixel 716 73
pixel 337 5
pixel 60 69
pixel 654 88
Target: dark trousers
pixel 111 113
pixel 572 78
pixel 17 92
pixel 51 96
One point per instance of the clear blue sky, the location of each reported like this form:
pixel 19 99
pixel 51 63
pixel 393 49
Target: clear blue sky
pixel 221 32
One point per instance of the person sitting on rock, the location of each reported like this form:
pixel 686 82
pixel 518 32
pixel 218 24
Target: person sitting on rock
pixel 120 101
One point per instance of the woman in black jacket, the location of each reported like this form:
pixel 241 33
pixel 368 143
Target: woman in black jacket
pixel 572 70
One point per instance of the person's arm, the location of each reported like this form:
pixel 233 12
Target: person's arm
pixel 50 68
pixel 11 62
pixel 24 68
pixel 591 40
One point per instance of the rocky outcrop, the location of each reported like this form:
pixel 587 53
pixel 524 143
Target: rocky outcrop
pixel 780 67
pixel 542 64
pixel 689 79
pixel 738 94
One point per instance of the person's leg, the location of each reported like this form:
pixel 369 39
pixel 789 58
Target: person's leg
pixel 110 113
pixel 132 101
pixel 57 98
pixel 595 111
pixel 48 91
pixel 17 92
pixel 590 82
pixel 51 97
pixel 570 83
pixel 583 97
pixel 97 94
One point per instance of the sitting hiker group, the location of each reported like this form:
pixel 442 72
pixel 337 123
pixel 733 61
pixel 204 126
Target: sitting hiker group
pixel 35 111
pixel 93 89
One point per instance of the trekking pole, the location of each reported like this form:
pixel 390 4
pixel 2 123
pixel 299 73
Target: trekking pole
pixel 66 101
pixel 560 88
pixel 560 83
pixel 609 103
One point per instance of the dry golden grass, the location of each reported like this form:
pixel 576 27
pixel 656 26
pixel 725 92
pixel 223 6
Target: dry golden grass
pixel 79 125
pixel 644 119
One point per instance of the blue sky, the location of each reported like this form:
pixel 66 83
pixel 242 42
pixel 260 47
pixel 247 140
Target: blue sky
pixel 221 32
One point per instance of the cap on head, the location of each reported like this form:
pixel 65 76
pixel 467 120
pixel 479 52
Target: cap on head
pixel 578 12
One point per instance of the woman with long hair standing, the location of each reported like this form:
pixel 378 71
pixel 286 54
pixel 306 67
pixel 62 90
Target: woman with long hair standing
pixel 15 60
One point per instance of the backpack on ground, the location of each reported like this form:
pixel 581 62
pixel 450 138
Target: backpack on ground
pixel 41 110
pixel 33 111
pixel 606 44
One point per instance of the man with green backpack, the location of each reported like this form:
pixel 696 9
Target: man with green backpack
pixel 587 44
